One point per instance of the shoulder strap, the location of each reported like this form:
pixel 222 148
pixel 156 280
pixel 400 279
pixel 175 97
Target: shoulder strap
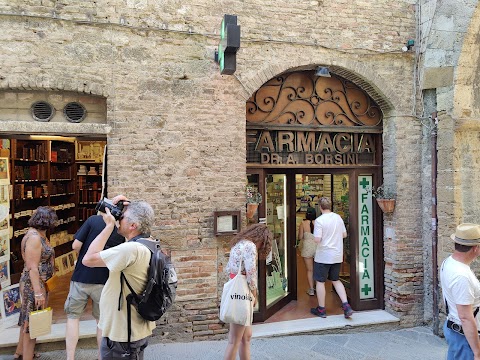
pixel 150 245
pixel 124 278
pixel 129 327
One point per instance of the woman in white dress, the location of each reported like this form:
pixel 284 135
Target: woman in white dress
pixel 308 245
pixel 253 242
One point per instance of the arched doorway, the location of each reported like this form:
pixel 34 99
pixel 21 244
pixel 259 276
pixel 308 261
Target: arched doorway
pixel 307 137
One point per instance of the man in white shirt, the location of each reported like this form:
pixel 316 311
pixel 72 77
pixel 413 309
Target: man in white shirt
pixel 133 259
pixel 461 292
pixel 329 232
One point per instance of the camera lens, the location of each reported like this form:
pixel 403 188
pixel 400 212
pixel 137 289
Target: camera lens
pixel 115 210
pixel 100 206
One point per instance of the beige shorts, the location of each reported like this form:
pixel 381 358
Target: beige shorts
pixel 78 297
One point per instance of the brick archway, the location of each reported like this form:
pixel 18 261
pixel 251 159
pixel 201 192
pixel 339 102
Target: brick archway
pixel 363 76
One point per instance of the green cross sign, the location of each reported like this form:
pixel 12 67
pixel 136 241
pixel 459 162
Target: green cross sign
pixel 366 241
pixel 228 45
pixel 366 289
pixel 364 183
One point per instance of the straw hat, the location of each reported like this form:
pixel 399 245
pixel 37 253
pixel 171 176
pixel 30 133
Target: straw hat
pixel 467 234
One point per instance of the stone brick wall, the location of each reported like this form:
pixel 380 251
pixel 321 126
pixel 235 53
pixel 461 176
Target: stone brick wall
pixel 442 31
pixel 458 195
pixel 380 26
pixel 176 128
pixel 448 58
pixel 403 245
pixel 466 93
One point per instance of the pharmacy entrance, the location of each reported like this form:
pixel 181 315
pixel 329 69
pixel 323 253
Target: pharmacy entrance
pixel 304 142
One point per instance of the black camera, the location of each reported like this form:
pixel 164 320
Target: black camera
pixel 115 209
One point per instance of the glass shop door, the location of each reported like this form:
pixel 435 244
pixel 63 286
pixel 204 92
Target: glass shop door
pixel 286 195
pixel 341 206
pixel 361 271
pixel 275 285
pixel 277 264
pixel 309 188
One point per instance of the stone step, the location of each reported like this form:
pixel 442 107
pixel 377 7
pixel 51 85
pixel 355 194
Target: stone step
pixel 332 324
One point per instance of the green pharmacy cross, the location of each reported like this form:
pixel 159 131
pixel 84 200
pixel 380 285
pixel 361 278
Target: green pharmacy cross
pixel 366 289
pixel 226 55
pixel 364 183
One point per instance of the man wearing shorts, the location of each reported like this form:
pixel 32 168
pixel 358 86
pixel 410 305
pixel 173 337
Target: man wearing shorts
pixel 86 282
pixel 329 232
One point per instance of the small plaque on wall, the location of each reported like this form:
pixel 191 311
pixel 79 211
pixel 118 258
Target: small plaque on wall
pixel 226 222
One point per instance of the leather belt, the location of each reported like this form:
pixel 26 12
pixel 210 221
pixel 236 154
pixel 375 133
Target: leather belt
pixel 456 327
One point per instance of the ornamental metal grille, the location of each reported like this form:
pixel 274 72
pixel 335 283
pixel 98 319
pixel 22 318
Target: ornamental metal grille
pixel 301 98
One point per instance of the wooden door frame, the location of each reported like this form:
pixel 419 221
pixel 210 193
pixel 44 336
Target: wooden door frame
pixel 379 265
pixel 260 315
pixel 265 312
pixel 353 173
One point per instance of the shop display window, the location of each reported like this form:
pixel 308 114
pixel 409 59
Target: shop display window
pixel 277 281
pixel 43 171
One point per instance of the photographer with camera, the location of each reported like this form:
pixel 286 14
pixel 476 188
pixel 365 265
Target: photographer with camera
pixel 131 258
pixel 86 282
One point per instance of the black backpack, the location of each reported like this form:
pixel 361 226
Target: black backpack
pixel 160 290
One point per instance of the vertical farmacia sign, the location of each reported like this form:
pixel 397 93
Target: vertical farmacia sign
pixel 366 269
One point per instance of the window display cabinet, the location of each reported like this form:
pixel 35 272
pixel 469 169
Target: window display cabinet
pixel 64 173
pixel 62 194
pixel 42 176
pixel 89 187
pixel 89 156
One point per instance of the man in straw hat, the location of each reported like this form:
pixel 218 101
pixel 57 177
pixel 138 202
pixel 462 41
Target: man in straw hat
pixel 461 292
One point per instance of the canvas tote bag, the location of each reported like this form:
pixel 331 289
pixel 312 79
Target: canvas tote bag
pixel 236 306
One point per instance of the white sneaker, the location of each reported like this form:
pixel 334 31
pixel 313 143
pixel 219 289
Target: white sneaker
pixel 311 291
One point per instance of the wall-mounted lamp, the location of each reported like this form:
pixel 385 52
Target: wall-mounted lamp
pixel 322 71
pixel 409 45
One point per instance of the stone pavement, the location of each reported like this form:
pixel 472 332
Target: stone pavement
pixel 405 344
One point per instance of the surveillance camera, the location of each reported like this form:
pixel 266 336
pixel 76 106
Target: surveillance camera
pixel 404 49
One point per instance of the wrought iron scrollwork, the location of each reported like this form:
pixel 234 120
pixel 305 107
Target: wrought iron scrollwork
pixel 305 99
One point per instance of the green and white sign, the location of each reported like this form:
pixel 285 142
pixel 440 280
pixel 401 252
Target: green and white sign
pixel 365 238
pixel 229 44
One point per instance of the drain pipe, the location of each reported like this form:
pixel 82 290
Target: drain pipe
pixel 434 225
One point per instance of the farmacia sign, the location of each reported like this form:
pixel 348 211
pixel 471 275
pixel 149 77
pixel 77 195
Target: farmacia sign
pixel 279 147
